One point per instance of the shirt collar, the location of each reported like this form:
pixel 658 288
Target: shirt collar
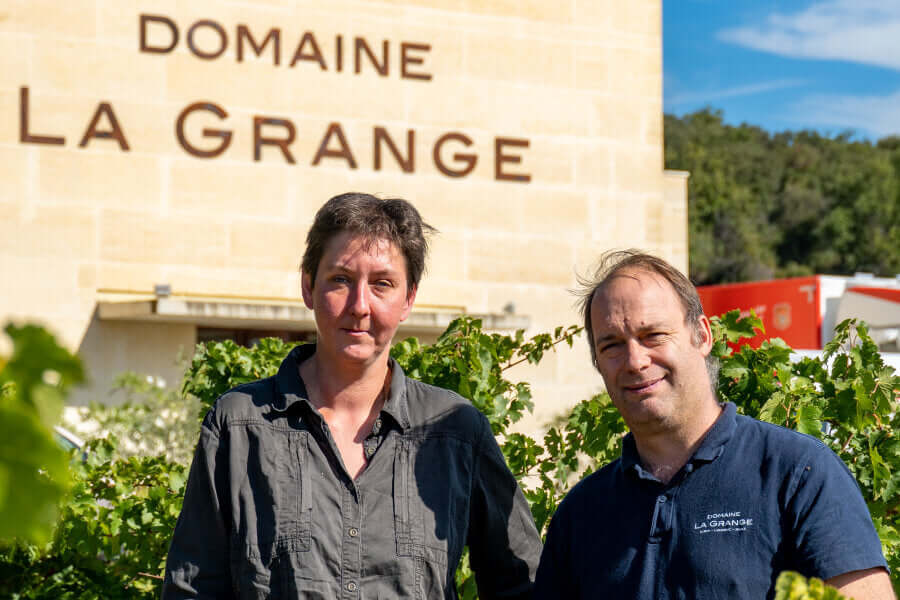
pixel 291 389
pixel 711 447
pixel 713 444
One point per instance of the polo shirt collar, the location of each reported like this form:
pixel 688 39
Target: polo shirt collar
pixel 722 430
pixel 710 448
pixel 291 390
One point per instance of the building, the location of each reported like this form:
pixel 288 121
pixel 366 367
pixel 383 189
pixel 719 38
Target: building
pixel 160 162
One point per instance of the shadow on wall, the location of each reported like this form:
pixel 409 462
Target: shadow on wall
pixel 110 348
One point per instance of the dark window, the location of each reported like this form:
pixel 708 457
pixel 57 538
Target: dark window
pixel 249 337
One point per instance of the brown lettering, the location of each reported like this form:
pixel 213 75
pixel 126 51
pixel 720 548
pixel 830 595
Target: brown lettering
pixel 173 31
pixel 406 59
pixel 27 137
pixel 274 36
pixel 223 39
pixel 316 55
pixel 344 152
pixel 500 158
pixel 361 46
pixel 104 108
pixel 339 53
pixel 469 159
pixel 210 133
pixel 259 141
pixel 408 164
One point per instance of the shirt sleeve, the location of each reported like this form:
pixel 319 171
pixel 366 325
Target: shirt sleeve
pixel 504 545
pixel 198 565
pixel 832 529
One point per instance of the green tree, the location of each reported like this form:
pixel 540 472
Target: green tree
pixel 785 204
pixel 116 522
pixel 33 468
pixel 848 399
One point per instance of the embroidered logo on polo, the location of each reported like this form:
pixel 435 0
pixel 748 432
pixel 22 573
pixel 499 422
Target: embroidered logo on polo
pixel 722 522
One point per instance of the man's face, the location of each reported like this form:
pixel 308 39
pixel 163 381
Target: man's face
pixel 654 370
pixel 359 297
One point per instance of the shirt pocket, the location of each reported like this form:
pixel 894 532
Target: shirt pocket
pixel 432 488
pixel 274 510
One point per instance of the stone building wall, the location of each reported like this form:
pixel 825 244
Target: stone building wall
pixel 171 142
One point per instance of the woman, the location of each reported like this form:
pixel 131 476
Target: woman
pixel 339 477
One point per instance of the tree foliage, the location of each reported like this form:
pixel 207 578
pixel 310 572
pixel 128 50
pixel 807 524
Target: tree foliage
pixel 764 205
pixel 115 523
pixel 153 420
pixel 794 586
pixel 848 399
pixel 33 473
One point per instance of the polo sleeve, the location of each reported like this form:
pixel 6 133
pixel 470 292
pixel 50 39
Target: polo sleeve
pixel 832 529
pixel 504 545
pixel 198 564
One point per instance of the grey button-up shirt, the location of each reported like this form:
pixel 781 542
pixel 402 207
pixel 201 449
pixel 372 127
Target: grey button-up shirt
pixel 270 511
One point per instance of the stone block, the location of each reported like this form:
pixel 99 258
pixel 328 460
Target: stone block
pixel 595 164
pixel 641 17
pixel 114 277
pixel 604 224
pixel 76 18
pixel 267 245
pixel 508 259
pixel 15 175
pixel 103 71
pixel 637 171
pixel 467 206
pixel 593 67
pixel 594 14
pixel 437 292
pixel 118 21
pixel 68 232
pixel 537 10
pixel 493 56
pixel 552 160
pixel 15 60
pixel 133 237
pixel 229 189
pixel 544 209
pixel 236 283
pixel 31 298
pixel 99 178
pixel 638 70
pixel 447 257
pixel 631 218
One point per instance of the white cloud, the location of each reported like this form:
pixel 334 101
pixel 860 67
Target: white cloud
pixel 693 97
pixel 862 31
pixel 878 115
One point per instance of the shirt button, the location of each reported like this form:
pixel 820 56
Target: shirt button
pixel 661 499
pixel 353 531
pixel 370 450
pixel 351 586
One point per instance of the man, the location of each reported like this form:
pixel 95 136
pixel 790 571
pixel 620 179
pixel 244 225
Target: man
pixel 703 503
pixel 339 477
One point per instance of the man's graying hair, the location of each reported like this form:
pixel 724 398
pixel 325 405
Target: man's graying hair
pixel 373 219
pixel 615 262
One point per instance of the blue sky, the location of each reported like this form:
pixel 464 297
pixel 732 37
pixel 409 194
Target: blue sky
pixel 828 65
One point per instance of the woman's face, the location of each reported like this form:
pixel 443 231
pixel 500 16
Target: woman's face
pixel 359 297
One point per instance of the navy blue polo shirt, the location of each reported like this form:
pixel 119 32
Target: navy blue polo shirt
pixel 754 500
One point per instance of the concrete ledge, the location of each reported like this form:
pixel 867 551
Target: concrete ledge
pixel 284 316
